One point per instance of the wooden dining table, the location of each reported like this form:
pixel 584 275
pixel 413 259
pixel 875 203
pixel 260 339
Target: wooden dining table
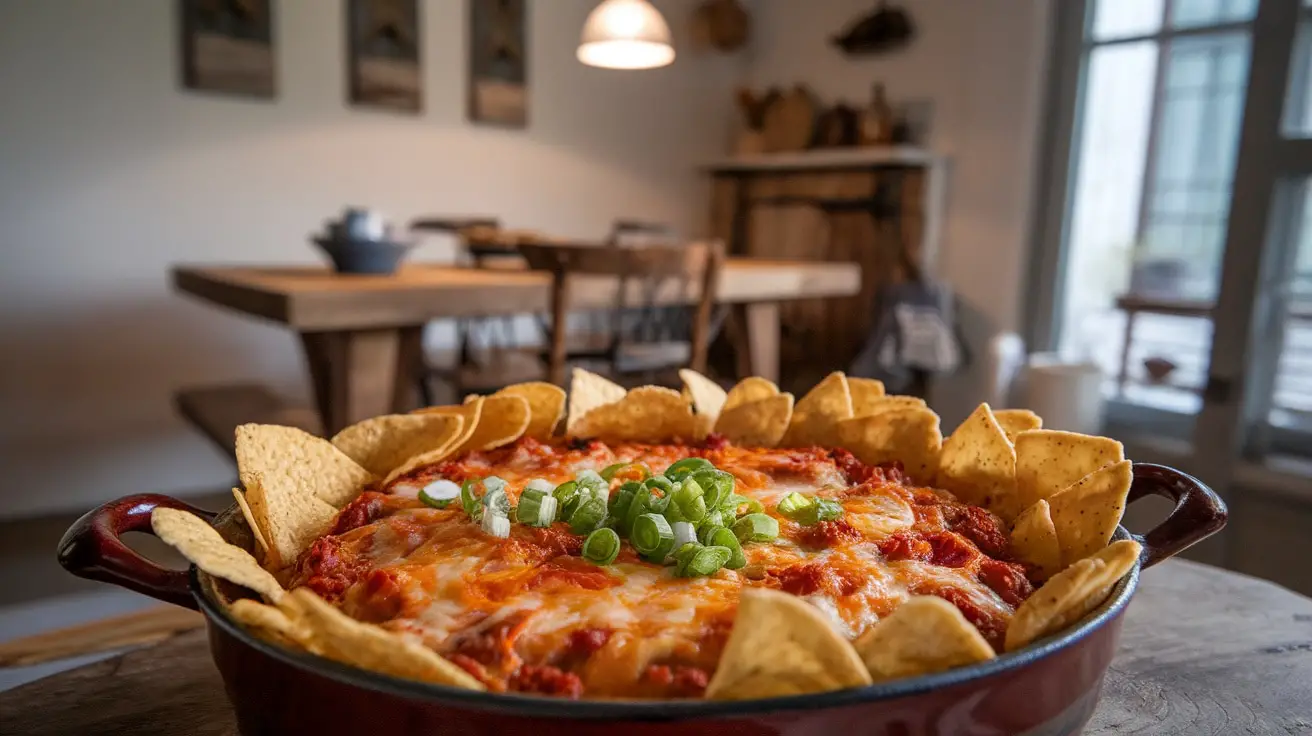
pixel 362 334
pixel 1203 651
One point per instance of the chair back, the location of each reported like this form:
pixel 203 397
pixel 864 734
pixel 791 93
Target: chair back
pixel 650 276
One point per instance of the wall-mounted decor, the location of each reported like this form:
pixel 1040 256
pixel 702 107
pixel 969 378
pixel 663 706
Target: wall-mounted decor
pixel 498 62
pixel 227 46
pixel 383 57
pixel 886 28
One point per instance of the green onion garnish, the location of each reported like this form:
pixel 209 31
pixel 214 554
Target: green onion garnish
pixel 439 494
pixel 496 525
pixel 619 503
pixel 713 519
pixel 686 467
pixel 735 503
pixel 705 531
pixel 593 483
pixel 566 495
pixel 612 470
pixel 588 516
pixel 756 528
pixel 468 501
pixel 721 537
pixel 683 553
pixel 652 535
pixel 704 561
pixel 536 508
pixel 496 501
pixel 602 546
pixel 661 483
pixel 809 510
pixel 690 499
pixel 717 486
pixel 684 533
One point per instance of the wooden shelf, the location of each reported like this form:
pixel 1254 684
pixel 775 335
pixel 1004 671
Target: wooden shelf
pixel 830 158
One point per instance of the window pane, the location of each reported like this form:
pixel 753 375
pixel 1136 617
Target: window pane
pixel 1194 13
pixel 1116 113
pixel 1298 102
pixel 1121 18
pixel 1201 106
pixel 1291 391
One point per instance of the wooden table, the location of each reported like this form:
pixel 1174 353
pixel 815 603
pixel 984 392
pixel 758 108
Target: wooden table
pixel 362 334
pixel 1203 652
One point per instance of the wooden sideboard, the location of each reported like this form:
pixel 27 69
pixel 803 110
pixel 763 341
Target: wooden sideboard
pixel 879 207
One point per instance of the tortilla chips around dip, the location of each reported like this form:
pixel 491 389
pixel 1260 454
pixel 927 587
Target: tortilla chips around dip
pixel 1064 491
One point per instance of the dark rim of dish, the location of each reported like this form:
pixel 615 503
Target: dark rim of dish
pixel 668 710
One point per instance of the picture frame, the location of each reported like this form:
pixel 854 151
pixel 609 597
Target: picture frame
pixel 385 54
pixel 227 47
pixel 498 63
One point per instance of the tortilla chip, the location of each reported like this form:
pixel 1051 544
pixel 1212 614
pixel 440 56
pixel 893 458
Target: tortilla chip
pixel 1049 460
pixel 260 543
pixel 1071 594
pixel 866 392
pixel 341 638
pixel 202 545
pixel 546 406
pixel 469 412
pixel 1086 514
pixel 909 436
pixel 289 515
pixel 501 420
pixel 752 388
pixel 759 423
pixel 816 415
pixel 383 443
pixel 978 465
pixel 1015 421
pixel 707 398
pixel 267 622
pixel 780 646
pixel 925 634
pixel 645 414
pixel 889 403
pixel 312 463
pixel 1034 540
pixel 587 391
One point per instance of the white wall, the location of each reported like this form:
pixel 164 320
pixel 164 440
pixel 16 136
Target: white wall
pixel 982 64
pixel 109 173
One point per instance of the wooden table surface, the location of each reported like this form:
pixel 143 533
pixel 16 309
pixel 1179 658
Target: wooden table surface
pixel 1203 652
pixel 363 335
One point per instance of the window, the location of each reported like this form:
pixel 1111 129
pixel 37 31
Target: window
pixel 1160 105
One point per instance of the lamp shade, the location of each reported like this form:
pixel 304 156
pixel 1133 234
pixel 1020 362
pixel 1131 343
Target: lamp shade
pixel 626 34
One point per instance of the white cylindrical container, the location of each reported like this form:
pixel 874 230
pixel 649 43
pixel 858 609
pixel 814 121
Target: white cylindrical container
pixel 1068 395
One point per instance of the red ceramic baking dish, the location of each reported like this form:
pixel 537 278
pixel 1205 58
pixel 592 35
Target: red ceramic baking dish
pixel 1046 689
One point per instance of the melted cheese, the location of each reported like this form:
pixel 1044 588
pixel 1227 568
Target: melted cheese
pixel 463 583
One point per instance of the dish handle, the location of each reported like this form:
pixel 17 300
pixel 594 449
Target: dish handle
pixel 1199 512
pixel 93 548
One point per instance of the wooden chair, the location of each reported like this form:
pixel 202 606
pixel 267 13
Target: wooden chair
pixel 654 274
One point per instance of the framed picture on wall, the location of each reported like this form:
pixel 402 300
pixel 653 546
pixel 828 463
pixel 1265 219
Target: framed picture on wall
pixel 227 46
pixel 383 54
pixel 498 62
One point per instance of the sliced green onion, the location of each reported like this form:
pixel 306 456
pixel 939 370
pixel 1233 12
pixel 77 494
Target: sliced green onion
pixel 536 508
pixel 593 483
pixel 541 484
pixel 704 561
pixel 827 510
pixel 684 532
pixel 612 470
pixel 690 499
pixel 602 546
pixel 736 501
pixel 683 553
pixel 794 505
pixel 439 494
pixel 588 516
pixel 686 467
pixel 566 495
pixel 618 508
pixel 496 525
pixel 756 528
pixel 705 531
pixel 650 533
pixel 715 518
pixel 638 505
pixel 497 502
pixel 468 501
pixel 661 483
pixel 721 537
pixel 717 486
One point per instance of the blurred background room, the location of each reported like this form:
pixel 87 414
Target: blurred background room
pixel 1098 209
